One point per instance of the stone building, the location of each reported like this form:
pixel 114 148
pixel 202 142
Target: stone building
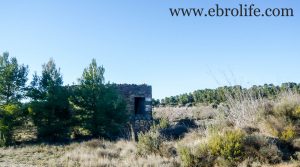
pixel 139 106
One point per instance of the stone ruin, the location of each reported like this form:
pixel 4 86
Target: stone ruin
pixel 139 106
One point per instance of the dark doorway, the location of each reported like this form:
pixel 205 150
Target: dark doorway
pixel 139 105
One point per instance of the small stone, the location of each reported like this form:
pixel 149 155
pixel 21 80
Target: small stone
pixel 296 144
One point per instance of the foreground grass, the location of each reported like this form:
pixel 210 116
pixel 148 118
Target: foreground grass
pixel 93 153
pixel 35 155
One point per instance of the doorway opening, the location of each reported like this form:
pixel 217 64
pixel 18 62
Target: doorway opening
pixel 139 105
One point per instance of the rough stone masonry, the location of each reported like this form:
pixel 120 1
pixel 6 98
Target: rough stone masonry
pixel 139 106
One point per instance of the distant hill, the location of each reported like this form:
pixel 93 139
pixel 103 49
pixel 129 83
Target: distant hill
pixel 219 95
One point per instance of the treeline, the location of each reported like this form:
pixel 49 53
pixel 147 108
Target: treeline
pixel 221 94
pixel 89 108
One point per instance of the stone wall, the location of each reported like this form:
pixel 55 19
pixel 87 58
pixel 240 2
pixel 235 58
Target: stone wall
pixel 138 122
pixel 130 91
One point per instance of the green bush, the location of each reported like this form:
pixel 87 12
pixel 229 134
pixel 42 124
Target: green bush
pixel 152 142
pixel 284 118
pixel 163 123
pixel 229 145
pixel 226 148
pixel 289 109
pixel 159 124
pixel 296 113
pixel 186 157
pixel 204 156
pixel 288 133
pixel 9 118
pixel 281 128
pixel 149 143
pixel 201 156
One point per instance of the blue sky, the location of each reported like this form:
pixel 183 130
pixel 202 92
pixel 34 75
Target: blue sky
pixel 139 42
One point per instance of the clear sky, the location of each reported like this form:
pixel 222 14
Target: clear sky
pixel 137 41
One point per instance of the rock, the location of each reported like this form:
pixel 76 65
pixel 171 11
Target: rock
pixel 296 144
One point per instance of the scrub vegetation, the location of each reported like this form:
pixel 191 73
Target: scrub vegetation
pixel 46 123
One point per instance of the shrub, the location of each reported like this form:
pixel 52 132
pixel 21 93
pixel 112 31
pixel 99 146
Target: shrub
pixel 244 109
pixel 296 112
pixel 215 144
pixel 263 149
pixel 275 125
pixel 201 157
pixel 270 154
pixel 186 156
pixel 152 142
pixel 222 149
pixel 163 123
pixel 228 145
pixel 149 143
pixel 160 124
pixel 285 108
pixel 282 129
pixel 288 107
pixel 167 150
pixel 9 118
pixel 256 141
pixel 288 134
pixel 221 162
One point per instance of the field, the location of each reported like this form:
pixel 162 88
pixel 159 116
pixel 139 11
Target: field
pixel 243 132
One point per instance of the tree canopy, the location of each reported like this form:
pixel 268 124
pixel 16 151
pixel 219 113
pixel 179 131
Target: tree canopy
pixel 102 111
pixel 220 95
pixel 13 77
pixel 50 107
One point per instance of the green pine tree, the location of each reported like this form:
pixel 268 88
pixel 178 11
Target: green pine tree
pixel 50 107
pixel 99 107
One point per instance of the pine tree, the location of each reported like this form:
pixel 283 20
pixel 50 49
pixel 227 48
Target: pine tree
pixel 101 109
pixel 13 79
pixel 50 107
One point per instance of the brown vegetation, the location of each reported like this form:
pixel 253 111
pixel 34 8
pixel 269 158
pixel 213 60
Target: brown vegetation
pixel 243 132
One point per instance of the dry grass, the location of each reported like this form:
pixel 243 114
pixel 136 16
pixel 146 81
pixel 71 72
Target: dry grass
pixel 178 113
pixel 37 155
pixel 93 153
pixel 265 115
